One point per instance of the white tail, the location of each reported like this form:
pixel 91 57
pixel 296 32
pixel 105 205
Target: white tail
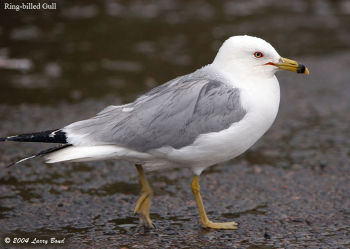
pixel 93 153
pixel 84 153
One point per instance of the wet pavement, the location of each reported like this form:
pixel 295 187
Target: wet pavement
pixel 291 190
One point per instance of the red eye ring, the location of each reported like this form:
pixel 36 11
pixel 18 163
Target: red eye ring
pixel 258 54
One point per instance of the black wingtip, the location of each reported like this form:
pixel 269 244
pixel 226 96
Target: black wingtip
pixel 10 165
pixel 50 136
pixel 41 153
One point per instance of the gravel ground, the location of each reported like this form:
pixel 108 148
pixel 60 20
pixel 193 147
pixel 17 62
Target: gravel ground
pixel 291 190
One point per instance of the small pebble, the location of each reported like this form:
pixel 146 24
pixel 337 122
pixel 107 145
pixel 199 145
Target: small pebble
pixel 323 164
pixel 267 235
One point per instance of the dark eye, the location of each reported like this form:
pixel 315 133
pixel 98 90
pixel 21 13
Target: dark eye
pixel 258 54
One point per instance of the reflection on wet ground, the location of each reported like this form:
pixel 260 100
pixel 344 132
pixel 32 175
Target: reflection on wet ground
pixel 290 190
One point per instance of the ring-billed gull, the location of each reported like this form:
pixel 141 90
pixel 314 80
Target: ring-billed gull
pixel 194 121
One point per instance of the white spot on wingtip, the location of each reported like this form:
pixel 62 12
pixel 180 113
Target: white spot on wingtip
pixel 127 109
pixel 53 134
pixel 25 159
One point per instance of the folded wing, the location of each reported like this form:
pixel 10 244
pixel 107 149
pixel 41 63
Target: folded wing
pixel 173 114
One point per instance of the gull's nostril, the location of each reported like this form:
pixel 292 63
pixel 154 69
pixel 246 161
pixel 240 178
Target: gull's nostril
pixel 287 61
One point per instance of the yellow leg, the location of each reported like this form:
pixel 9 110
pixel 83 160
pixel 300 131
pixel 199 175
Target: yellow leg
pixel 143 204
pixel 204 219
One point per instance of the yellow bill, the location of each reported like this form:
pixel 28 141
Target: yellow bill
pixel 291 65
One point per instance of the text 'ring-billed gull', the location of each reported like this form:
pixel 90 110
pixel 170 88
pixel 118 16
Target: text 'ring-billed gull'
pixel 194 121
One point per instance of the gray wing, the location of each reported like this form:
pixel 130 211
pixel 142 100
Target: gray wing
pixel 173 114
